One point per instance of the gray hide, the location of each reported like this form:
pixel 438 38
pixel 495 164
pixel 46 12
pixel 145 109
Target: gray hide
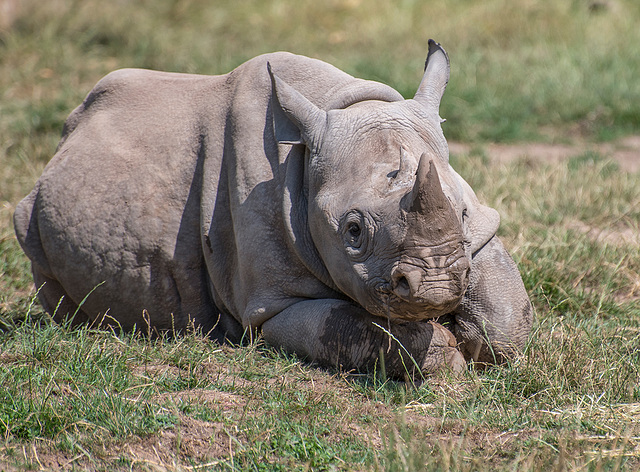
pixel 285 196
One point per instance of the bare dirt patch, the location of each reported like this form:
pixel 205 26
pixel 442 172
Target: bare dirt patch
pixel 227 400
pixel 626 151
pixel 622 236
pixel 192 440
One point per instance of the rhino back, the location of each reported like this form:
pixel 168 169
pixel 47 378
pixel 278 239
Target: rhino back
pixel 118 203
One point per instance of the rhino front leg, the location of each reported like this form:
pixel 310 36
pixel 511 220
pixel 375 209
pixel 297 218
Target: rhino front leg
pixel 337 333
pixel 493 321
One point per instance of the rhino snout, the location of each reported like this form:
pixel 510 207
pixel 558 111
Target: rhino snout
pixel 438 289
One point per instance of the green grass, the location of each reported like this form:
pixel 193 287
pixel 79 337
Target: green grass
pixel 82 395
pixel 520 70
pixel 534 70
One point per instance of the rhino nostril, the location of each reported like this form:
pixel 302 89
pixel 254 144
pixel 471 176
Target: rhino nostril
pixel 402 283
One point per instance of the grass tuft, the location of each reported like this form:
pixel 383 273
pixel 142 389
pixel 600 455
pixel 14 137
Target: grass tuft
pixel 536 70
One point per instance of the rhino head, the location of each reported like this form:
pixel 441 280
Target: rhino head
pixel 387 215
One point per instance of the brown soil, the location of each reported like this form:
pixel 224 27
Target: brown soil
pixel 626 152
pixel 193 444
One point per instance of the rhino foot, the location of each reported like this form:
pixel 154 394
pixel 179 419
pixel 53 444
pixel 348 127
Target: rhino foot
pixel 442 353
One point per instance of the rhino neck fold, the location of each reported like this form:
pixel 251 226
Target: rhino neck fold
pixel 295 215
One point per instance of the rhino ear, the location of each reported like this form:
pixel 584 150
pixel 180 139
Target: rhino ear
pixel 296 120
pixel 483 224
pixel 435 78
pixel 482 221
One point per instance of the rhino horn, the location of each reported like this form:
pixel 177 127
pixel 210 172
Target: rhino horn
pixel 435 78
pixel 290 107
pixel 427 197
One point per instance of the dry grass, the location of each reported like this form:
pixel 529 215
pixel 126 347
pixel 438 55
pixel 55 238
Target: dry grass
pixel 532 69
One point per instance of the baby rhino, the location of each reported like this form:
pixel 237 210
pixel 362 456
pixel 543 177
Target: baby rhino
pixel 285 197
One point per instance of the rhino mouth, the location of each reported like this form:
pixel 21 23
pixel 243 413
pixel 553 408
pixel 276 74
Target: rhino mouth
pixel 415 293
pixel 439 300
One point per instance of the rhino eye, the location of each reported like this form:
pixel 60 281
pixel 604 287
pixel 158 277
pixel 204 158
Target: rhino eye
pixel 354 234
pixel 353 229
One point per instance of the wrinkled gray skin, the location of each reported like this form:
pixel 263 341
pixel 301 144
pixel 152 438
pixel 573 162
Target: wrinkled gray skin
pixel 285 196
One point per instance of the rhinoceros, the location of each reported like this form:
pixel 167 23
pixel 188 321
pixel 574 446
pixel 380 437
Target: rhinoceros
pixel 285 197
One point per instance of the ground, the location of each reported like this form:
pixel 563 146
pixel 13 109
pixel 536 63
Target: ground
pixel 626 151
pixel 209 426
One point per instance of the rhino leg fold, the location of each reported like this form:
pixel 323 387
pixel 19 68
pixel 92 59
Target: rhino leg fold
pixel 493 321
pixel 337 333
pixel 56 301
pixel 226 329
